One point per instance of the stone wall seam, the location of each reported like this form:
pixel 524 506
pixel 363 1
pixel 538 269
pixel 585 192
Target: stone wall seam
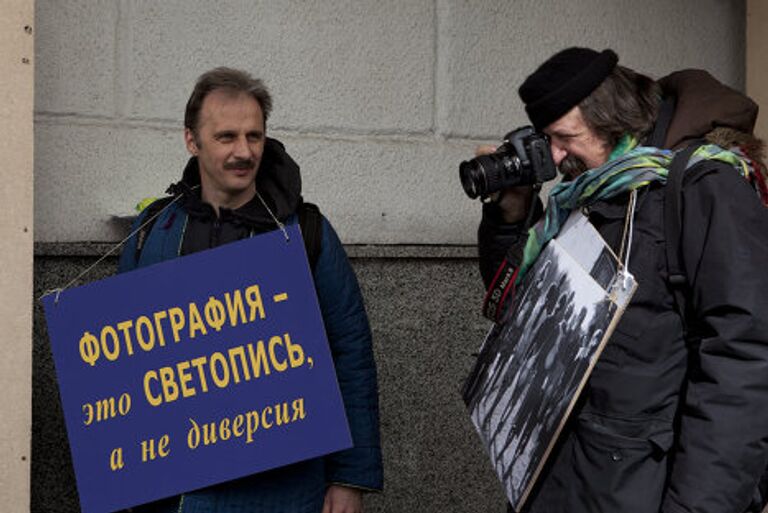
pixel 96 249
pixel 117 78
pixel 436 64
pixel 336 134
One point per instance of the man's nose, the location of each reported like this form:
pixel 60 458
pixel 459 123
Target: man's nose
pixel 242 150
pixel 558 153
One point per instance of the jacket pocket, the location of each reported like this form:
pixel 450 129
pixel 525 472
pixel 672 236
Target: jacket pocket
pixel 622 462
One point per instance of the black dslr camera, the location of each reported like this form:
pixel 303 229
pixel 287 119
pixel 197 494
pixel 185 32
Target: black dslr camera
pixel 523 159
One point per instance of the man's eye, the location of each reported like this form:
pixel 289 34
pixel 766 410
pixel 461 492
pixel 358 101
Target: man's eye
pixel 255 137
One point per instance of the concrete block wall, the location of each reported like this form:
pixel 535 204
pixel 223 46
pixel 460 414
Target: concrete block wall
pixel 378 101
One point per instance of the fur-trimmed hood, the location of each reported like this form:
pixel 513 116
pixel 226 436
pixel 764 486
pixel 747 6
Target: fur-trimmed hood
pixel 707 109
pixel 704 104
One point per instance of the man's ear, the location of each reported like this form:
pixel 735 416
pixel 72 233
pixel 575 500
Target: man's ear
pixel 189 140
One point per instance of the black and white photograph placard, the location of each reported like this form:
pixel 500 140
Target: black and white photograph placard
pixel 535 361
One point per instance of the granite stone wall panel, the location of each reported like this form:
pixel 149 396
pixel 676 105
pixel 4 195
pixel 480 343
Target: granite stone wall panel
pixel 373 190
pixel 486 52
pixel 425 342
pixel 354 65
pixel 75 49
pixel 389 192
pixel 86 174
pixel 378 101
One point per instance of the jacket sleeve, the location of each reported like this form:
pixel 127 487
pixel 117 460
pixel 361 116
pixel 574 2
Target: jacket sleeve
pixel 497 240
pixel 349 336
pixel 722 449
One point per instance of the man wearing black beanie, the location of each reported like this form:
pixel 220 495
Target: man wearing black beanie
pixel 673 417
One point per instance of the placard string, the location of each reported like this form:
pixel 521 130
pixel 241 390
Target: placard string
pixel 58 291
pixel 629 225
pixel 274 217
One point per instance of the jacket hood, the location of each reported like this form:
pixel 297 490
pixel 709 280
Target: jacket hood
pixel 703 104
pixel 278 182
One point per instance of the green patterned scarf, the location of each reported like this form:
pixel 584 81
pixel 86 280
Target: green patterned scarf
pixel 628 167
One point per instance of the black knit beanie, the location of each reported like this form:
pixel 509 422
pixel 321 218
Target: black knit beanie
pixel 563 81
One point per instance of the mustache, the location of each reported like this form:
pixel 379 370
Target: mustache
pixel 240 164
pixel 572 166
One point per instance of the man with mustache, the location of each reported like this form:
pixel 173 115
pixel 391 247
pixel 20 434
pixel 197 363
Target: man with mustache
pixel 239 183
pixel 673 417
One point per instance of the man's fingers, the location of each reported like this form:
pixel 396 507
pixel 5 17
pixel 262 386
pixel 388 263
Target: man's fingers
pixel 326 505
pixel 341 499
pixel 484 149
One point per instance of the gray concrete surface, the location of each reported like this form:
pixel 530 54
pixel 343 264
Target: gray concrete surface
pixel 378 101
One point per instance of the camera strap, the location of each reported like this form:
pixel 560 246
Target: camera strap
pixel 503 283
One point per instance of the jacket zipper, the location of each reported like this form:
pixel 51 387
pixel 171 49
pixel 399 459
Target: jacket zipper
pixel 215 233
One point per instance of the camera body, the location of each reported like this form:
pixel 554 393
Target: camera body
pixel 523 159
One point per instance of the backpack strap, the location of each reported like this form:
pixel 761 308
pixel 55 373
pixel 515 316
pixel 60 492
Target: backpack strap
pixel 659 134
pixel 311 223
pixel 150 217
pixel 673 222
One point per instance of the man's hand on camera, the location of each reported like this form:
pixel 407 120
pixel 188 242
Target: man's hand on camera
pixel 514 202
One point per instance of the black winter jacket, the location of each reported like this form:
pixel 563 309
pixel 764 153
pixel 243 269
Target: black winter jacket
pixel 666 424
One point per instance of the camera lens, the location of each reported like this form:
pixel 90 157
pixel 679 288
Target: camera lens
pixel 473 177
pixel 487 174
pixel 523 159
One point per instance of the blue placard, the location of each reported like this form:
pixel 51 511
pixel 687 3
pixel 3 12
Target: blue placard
pixel 195 371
